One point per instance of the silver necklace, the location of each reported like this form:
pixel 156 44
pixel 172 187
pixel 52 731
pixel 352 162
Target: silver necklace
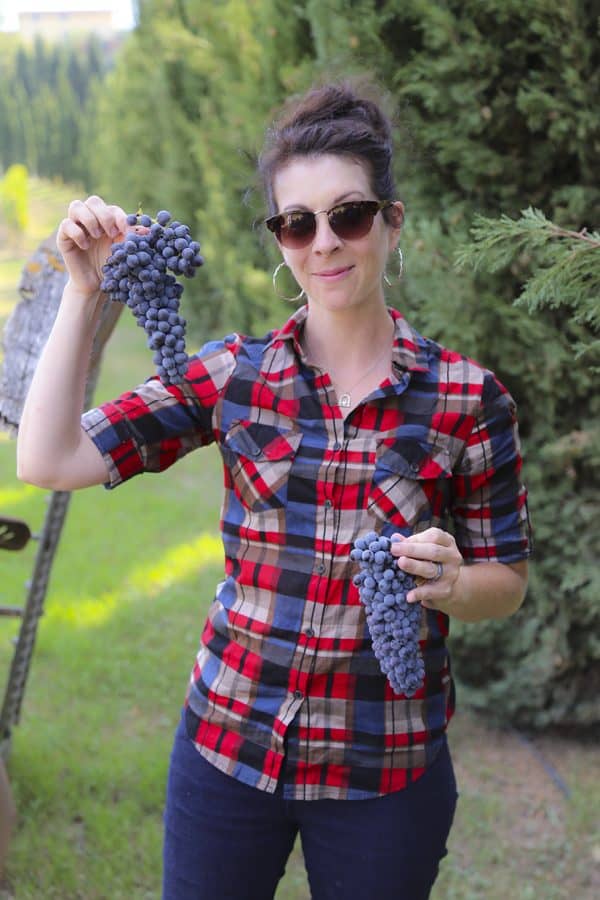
pixel 345 399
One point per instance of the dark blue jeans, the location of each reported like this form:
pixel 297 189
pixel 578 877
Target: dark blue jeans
pixel 225 840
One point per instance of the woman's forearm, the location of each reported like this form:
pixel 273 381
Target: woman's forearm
pixel 483 590
pixel 50 431
pixel 487 590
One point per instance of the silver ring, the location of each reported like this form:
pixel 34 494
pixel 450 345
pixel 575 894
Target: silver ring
pixel 439 573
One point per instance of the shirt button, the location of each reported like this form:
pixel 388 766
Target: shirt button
pixel 337 446
pixel 328 504
pixel 309 632
pixel 320 568
pixel 298 695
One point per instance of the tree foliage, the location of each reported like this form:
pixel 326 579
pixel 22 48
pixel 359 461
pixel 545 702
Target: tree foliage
pixel 557 648
pixel 45 91
pixel 13 197
pixel 561 267
pixel 496 112
pixel 192 93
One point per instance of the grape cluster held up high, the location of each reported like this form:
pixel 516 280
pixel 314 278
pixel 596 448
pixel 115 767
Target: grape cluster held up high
pixel 393 622
pixel 138 273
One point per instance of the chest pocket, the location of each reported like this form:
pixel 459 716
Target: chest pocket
pixel 259 458
pixel 411 484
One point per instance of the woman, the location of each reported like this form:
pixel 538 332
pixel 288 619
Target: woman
pixel 342 422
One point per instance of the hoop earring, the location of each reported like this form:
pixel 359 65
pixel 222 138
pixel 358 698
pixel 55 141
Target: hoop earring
pixel 400 270
pixel 281 297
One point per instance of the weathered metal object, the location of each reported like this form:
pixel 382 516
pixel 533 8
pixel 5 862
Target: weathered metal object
pixel 25 334
pixel 26 331
pixel 14 534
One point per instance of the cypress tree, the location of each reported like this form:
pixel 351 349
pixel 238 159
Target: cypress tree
pixel 44 102
pixel 191 92
pixel 496 113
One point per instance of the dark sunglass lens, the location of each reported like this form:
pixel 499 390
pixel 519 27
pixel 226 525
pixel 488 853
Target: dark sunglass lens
pixel 352 220
pixel 297 229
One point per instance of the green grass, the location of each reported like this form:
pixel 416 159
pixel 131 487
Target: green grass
pixel 47 205
pixel 130 588
pixel 130 584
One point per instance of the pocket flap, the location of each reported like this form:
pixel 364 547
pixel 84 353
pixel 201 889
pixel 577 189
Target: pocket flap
pixel 254 440
pixel 415 459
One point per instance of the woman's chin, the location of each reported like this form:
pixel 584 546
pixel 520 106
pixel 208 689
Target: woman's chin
pixel 342 301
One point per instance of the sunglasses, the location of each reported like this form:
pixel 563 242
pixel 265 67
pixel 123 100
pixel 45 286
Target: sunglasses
pixel 350 221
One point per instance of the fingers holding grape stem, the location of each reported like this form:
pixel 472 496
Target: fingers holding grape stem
pixel 84 238
pixel 434 560
pixel 142 272
pixel 136 260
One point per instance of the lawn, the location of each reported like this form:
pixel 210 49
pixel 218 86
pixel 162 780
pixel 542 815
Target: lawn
pixel 130 587
pixel 131 584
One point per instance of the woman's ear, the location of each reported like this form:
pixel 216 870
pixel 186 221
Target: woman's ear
pixel 396 216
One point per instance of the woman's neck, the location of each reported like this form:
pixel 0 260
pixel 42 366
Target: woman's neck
pixel 343 341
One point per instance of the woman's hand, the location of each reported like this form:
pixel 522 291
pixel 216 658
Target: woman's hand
pixel 434 559
pixel 85 237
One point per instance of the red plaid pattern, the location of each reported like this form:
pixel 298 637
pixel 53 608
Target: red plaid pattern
pixel 285 685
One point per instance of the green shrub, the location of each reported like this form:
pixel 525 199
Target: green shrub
pixel 496 113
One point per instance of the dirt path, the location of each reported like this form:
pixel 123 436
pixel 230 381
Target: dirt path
pixel 527 822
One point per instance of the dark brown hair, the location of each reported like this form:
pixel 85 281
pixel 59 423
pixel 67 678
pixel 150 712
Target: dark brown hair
pixel 344 118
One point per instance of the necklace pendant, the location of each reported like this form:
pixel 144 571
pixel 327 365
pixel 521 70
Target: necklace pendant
pixel 345 401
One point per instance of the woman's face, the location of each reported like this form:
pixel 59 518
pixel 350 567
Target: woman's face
pixel 334 273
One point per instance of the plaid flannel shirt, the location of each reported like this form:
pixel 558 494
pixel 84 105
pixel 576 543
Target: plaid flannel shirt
pixel 285 668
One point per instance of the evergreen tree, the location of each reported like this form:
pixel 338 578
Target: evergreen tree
pixel 497 112
pixel 13 197
pixel 566 273
pixel 204 80
pixel 23 71
pixel 44 102
pixel 556 648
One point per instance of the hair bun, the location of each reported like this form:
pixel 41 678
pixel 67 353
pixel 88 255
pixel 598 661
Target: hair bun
pixel 345 118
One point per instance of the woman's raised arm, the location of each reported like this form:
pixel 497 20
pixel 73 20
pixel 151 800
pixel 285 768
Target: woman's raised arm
pixel 53 451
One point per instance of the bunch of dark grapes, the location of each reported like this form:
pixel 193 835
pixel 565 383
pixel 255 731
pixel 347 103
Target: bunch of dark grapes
pixel 138 273
pixel 393 623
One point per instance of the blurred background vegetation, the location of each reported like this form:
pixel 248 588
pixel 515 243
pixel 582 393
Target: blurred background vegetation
pixel 495 108
pixel 498 140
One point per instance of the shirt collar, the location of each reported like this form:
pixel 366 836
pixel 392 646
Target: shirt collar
pixel 409 351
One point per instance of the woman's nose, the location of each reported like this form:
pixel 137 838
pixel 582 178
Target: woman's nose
pixel 325 239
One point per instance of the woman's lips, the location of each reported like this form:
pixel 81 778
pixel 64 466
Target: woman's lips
pixel 334 274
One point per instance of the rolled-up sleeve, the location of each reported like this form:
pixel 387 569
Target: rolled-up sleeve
pixel 151 427
pixel 490 512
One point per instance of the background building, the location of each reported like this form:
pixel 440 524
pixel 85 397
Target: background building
pixel 56 26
